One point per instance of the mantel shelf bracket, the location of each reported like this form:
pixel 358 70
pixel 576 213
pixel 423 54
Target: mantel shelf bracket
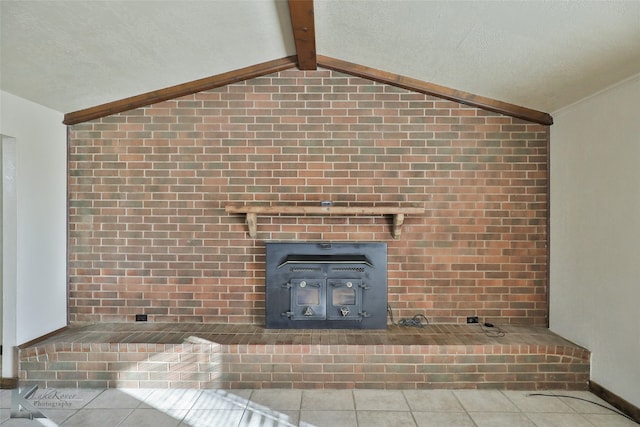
pixel 252 223
pixel 398 221
pixel 252 212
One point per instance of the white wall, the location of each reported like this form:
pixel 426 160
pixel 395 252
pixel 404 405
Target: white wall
pixel 41 168
pixel 595 233
pixel 9 253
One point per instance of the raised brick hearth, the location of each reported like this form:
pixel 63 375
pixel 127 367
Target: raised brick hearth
pixel 244 356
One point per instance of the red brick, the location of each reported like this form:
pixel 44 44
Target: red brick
pixel 481 177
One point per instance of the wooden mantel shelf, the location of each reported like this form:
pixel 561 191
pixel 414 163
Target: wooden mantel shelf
pixel 252 212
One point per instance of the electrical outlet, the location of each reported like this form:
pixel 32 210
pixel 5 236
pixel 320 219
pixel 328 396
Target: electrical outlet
pixel 141 317
pixel 472 319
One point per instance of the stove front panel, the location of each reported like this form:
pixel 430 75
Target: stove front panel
pixel 325 285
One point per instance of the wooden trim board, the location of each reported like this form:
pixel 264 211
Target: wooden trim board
pixel 435 90
pixel 177 91
pixel 615 400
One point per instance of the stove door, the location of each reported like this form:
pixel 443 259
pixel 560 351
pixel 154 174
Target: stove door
pixel 344 299
pixel 308 299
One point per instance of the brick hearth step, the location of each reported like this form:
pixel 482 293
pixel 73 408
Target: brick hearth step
pixel 171 355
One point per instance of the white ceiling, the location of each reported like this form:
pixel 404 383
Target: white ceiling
pixel 71 55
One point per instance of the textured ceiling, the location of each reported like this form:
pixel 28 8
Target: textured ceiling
pixel 71 55
pixel 541 55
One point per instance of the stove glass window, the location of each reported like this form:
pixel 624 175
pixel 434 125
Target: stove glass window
pixel 308 296
pixel 344 296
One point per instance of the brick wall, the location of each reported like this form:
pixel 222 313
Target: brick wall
pixel 147 189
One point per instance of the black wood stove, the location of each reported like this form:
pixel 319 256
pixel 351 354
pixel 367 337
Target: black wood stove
pixel 337 285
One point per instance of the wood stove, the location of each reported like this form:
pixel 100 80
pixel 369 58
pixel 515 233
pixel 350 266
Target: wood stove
pixel 330 285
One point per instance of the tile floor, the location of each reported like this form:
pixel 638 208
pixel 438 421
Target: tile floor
pixel 308 408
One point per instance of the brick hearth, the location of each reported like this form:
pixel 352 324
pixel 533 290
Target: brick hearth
pixel 171 355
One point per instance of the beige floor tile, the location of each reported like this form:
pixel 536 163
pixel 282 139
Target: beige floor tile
pixel 380 400
pixel 289 400
pixel 212 417
pixel 5 413
pixel 171 399
pixel 269 418
pixel 582 406
pixel 310 418
pixel 137 393
pixel 222 399
pixel 528 403
pixel 385 419
pixel 116 398
pixel 558 420
pixel 15 422
pixel 97 417
pixel 53 417
pixel 324 400
pixel 58 416
pixel 613 420
pixel 485 401
pixel 501 419
pixel 5 398
pixel 153 418
pixel 433 401
pixel 443 419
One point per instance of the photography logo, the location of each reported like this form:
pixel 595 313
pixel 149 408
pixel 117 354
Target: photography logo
pixel 23 408
pixel 29 404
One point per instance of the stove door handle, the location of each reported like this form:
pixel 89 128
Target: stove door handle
pixel 342 284
pixel 304 284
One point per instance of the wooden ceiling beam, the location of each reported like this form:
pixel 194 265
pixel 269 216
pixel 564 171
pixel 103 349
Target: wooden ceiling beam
pixel 304 33
pixel 435 90
pixel 177 91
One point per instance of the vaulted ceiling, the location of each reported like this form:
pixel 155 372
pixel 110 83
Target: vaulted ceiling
pixel 543 55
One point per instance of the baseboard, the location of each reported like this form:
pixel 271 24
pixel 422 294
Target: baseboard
pixel 615 400
pixel 8 383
